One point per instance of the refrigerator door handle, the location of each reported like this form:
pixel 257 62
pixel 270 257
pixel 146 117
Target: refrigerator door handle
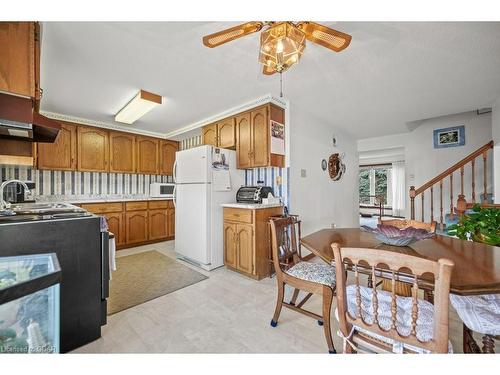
pixel 175 171
pixel 174 198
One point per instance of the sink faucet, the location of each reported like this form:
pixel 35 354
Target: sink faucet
pixel 3 204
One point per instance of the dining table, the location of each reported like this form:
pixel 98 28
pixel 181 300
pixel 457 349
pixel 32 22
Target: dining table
pixel 476 270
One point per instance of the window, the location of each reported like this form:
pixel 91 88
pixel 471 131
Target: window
pixel 375 184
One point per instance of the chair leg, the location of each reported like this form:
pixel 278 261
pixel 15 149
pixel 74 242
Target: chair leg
pixel 488 344
pixel 294 296
pixel 327 308
pixel 279 303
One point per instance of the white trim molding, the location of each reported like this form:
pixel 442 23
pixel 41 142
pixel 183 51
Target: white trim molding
pixel 100 124
pixel 269 98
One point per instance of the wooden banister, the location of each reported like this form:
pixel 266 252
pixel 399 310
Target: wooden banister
pixel 455 167
pixel 463 205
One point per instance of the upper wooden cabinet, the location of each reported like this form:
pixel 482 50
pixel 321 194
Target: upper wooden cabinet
pixel 93 149
pixel 244 146
pixel 147 155
pixel 60 155
pixel 250 134
pixel 122 152
pixel 167 156
pixel 19 49
pixel 209 135
pixel 226 133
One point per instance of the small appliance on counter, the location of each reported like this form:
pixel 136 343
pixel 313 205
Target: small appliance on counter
pixel 253 194
pixel 161 190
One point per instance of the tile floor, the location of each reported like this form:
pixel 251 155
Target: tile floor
pixel 227 313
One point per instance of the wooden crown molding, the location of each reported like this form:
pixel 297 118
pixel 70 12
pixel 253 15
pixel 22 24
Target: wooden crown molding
pixel 269 98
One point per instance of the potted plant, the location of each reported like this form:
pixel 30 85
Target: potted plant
pixel 480 225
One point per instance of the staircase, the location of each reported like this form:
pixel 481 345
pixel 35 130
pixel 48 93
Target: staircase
pixel 461 178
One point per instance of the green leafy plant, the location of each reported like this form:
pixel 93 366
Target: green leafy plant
pixel 481 225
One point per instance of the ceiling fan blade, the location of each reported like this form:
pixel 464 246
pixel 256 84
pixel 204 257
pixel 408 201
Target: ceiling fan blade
pixel 224 36
pixel 268 70
pixel 324 36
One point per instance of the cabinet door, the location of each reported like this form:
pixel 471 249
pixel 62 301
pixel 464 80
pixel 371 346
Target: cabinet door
pixel 209 135
pixel 147 155
pixel 226 133
pixel 122 152
pixel 158 224
pixel 260 137
pixel 17 61
pixel 60 155
pixel 93 149
pixel 171 222
pixel 167 157
pixel 117 227
pixel 244 257
pixel 243 141
pixel 136 226
pixel 230 244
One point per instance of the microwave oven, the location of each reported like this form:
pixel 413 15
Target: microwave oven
pixel 161 190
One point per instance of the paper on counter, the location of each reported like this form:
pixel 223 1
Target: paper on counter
pixel 221 180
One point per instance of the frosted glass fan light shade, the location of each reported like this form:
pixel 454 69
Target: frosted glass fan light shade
pixel 281 46
pixel 141 104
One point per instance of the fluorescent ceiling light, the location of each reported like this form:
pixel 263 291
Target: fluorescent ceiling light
pixel 141 104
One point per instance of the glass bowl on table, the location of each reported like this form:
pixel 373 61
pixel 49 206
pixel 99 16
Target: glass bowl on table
pixel 395 236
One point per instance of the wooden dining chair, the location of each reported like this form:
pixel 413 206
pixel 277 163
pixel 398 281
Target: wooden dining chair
pixel 373 320
pixel 312 278
pixel 403 224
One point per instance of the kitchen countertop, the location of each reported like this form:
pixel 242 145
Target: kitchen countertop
pixel 103 199
pixel 251 206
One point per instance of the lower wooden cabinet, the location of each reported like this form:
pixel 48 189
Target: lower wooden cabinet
pixel 137 226
pixel 246 240
pixel 116 225
pixel 137 222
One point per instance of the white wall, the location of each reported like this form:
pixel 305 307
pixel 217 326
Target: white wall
pixel 423 161
pixel 316 198
pixel 495 128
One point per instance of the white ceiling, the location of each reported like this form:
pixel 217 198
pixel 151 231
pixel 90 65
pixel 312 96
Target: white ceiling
pixel 391 74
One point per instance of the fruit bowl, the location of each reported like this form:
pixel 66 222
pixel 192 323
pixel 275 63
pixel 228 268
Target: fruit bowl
pixel 394 236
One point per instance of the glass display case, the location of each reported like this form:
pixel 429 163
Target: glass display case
pixel 29 304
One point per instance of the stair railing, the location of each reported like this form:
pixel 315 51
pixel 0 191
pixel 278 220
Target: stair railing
pixel 448 174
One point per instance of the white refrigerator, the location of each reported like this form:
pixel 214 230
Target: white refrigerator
pixel 205 177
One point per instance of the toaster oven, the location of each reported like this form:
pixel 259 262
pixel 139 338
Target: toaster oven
pixel 253 194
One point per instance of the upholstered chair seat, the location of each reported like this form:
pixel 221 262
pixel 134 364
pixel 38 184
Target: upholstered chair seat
pixel 479 313
pixel 314 272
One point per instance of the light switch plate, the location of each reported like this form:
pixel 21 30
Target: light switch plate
pixel 303 173
pixel 278 180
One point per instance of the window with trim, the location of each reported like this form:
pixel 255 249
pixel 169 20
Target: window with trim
pixel 375 184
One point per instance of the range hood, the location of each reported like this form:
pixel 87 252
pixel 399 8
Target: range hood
pixel 19 120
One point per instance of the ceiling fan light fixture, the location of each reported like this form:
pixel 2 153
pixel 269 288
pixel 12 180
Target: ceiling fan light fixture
pixel 281 46
pixel 141 104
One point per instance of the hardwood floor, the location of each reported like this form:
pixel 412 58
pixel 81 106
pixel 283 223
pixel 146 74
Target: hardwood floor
pixel 227 313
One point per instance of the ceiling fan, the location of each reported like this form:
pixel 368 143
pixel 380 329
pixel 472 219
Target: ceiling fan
pixel 282 43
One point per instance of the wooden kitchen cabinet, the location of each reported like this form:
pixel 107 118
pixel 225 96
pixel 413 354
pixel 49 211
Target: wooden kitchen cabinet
pixel 147 155
pixel 230 244
pixel 167 156
pixel 260 137
pixel 209 135
pixel 122 152
pixel 18 66
pixel 93 149
pixel 136 227
pixel 60 155
pixel 226 133
pixel 158 224
pixel 171 222
pixel 247 241
pixel 116 225
pixel 244 145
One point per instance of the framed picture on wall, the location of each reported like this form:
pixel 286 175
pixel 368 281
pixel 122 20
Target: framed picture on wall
pixel 449 137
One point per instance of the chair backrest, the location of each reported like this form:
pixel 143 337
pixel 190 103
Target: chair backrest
pixel 403 224
pixel 283 243
pixel 386 264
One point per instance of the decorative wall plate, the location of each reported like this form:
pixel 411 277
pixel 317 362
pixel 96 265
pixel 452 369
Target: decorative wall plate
pixel 336 167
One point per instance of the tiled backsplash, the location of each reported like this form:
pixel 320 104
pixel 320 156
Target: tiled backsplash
pixel 268 175
pixel 81 183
